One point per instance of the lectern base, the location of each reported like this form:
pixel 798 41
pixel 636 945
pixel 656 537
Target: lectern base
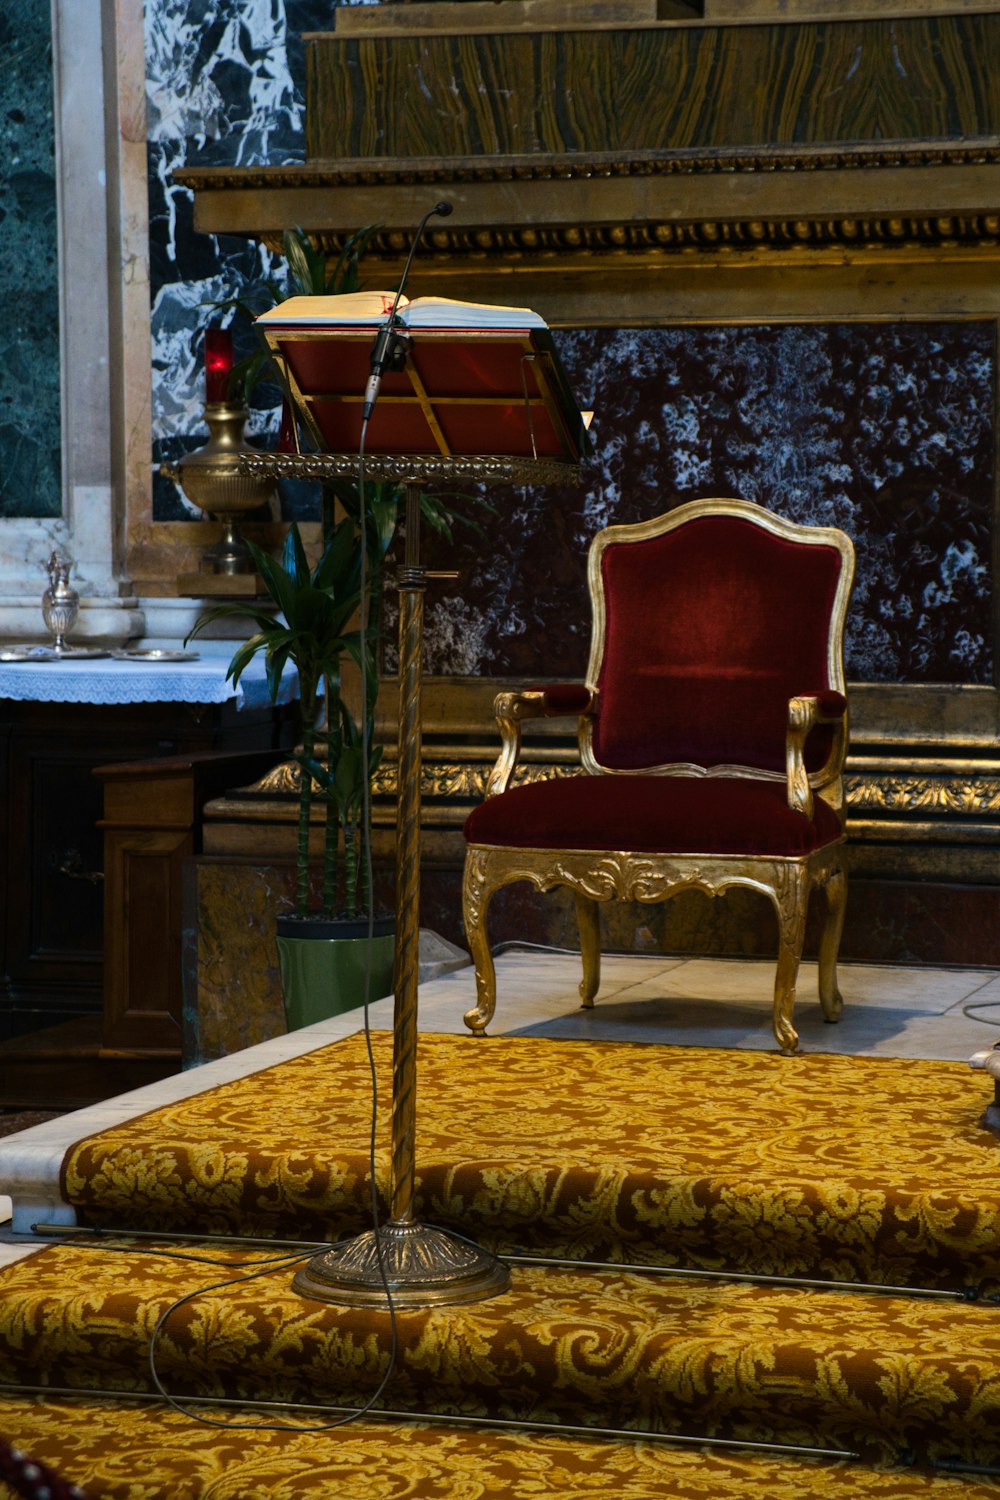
pixel 424 1267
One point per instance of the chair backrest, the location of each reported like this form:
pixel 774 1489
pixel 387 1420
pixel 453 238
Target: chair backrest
pixel 705 622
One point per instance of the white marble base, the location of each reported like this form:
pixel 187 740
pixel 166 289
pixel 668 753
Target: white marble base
pixel 162 623
pixel 168 622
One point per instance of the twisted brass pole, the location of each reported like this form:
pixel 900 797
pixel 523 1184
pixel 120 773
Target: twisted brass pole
pixel 407 972
pixel 419 1264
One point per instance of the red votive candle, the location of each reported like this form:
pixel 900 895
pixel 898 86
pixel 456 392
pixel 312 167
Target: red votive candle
pixel 218 363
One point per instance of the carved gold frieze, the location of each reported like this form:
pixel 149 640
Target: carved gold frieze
pixel 953 795
pixel 464 780
pixel 961 795
pixel 666 237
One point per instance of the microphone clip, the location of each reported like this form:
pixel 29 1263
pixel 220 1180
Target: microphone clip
pixel 397 349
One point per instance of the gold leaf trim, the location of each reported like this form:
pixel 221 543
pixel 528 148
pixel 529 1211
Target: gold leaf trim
pixel 371 172
pixel 968 796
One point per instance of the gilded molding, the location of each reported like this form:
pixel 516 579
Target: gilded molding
pixel 657 236
pixel 413 468
pixel 706 235
pixel 582 166
pixel 967 796
pixel 467 781
pixel 666 238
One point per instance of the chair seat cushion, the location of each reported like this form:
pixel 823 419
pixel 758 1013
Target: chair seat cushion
pixel 652 814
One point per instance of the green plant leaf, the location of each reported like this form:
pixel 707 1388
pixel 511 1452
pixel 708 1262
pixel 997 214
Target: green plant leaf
pixel 317 770
pixel 344 276
pixel 245 654
pixel 338 568
pixel 294 243
pixel 246 373
pixel 294 559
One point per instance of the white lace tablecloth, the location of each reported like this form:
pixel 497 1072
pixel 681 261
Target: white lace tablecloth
pixel 114 680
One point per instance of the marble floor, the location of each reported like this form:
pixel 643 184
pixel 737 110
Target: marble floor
pixel 888 1011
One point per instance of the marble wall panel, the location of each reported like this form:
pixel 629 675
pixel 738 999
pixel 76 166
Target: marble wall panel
pixel 883 429
pixel 30 442
pixel 225 82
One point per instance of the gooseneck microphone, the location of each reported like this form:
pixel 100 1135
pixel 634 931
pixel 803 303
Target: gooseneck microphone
pixel 391 343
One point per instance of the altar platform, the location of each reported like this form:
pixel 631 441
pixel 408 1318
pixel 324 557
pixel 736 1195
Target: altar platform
pixel 724 1003
pixel 754 1275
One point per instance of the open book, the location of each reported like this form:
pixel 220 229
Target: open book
pixel 476 379
pixel 371 308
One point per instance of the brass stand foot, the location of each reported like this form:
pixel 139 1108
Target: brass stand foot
pixel 424 1267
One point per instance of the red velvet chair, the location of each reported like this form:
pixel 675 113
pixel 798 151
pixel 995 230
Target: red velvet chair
pixel 712 730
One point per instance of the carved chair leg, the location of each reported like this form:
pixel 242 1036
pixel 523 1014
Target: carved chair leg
pixel 835 895
pixel 791 902
pixel 589 922
pixel 475 905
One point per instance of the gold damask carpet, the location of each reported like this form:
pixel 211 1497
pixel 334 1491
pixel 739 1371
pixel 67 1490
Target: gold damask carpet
pixel 853 1169
pixel 121 1452
pixel 877 1375
pixel 849 1168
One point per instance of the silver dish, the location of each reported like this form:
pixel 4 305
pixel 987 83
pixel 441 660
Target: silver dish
pixel 27 653
pixel 155 654
pixel 78 653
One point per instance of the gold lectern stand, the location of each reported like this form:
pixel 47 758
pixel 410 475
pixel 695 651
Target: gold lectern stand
pixel 420 1264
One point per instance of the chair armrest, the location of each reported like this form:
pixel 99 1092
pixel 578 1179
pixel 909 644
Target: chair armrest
pixel 804 714
pixel 559 700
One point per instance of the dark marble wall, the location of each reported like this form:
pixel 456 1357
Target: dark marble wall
pixel 885 430
pixel 224 83
pixel 30 447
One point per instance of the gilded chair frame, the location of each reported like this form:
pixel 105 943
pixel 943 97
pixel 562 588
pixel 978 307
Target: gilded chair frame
pixel 600 875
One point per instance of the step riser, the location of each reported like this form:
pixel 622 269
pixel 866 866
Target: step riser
pixel 698 1224
pixel 879 1376
pixel 108 1447
pixel 879 1443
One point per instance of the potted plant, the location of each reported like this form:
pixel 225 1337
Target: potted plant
pixel 315 629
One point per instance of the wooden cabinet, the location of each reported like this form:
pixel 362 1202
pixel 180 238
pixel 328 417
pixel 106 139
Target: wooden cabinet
pixel 152 822
pixel 68 887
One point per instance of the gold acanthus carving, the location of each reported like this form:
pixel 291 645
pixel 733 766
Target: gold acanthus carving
pixel 439 779
pixel 467 781
pixel 623 876
pixel 968 796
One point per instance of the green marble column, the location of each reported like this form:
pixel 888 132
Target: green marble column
pixel 29 295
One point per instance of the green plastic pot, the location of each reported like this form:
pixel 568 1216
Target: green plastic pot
pixel 323 962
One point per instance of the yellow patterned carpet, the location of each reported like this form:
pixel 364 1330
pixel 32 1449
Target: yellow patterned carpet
pixel 121 1452
pixel 842 1167
pixel 126 1453
pixel 879 1375
pixel 827 1167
